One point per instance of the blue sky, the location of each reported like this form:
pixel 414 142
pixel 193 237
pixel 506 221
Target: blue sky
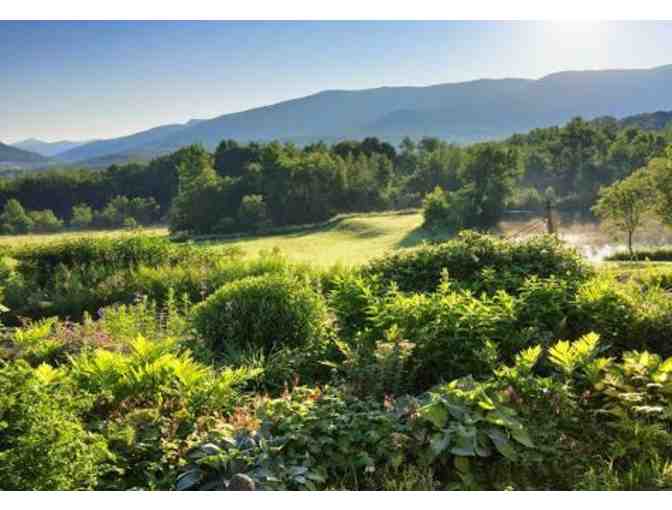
pixel 82 80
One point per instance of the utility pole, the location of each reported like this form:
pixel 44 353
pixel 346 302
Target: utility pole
pixel 550 226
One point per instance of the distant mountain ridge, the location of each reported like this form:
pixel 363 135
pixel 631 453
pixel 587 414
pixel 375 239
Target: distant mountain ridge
pixel 648 121
pixel 47 149
pixel 460 112
pixel 11 156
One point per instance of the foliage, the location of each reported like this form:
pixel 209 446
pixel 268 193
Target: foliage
pixel 122 211
pixel 252 213
pixel 102 254
pixel 81 216
pixel 153 372
pixel 661 254
pixel 624 205
pixel 43 445
pixel 14 219
pixel 448 210
pixel 466 257
pixel 261 312
pixel 45 221
pixel 627 315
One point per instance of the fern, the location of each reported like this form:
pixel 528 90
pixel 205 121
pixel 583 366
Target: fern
pixel 568 357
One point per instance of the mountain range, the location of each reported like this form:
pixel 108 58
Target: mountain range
pixel 11 156
pixel 46 149
pixel 459 112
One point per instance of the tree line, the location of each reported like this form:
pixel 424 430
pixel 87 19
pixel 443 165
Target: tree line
pixel 119 212
pixel 248 187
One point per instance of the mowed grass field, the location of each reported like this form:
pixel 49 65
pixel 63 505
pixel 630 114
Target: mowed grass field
pixel 350 240
pixel 354 239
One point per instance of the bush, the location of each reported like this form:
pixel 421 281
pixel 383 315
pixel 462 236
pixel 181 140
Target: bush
pixel 14 219
pixel 103 254
pixel 448 210
pixel 451 330
pixel 466 258
pixel 662 254
pixel 43 445
pixel 324 439
pixel 81 216
pixel 261 312
pixel 121 210
pixel 253 213
pixel 193 272
pixel 626 315
pixel 351 299
pixel 45 221
pixel 152 372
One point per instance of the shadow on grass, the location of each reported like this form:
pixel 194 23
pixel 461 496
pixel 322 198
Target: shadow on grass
pixel 418 235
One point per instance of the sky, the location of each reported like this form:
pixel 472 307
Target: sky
pixel 86 80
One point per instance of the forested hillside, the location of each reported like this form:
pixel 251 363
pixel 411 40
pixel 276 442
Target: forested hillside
pixel 248 187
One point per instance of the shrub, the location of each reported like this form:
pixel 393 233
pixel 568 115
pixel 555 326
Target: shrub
pixel 43 445
pixel 14 219
pixel 466 257
pixel 253 213
pixel 261 312
pixel 626 315
pixel 662 254
pixel 45 221
pixel 152 373
pixel 103 254
pixel 69 292
pixel 321 439
pixel 81 216
pixel 543 305
pixel 450 210
pixel 450 329
pixel 351 299
pixel 379 371
pixel 435 209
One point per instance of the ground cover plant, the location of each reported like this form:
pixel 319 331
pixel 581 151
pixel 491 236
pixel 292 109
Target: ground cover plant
pixel 477 363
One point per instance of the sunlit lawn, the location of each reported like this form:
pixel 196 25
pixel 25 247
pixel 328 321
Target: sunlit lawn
pixel 355 239
pixel 349 241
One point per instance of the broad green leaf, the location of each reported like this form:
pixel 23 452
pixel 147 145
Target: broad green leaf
pixel 502 443
pixel 439 442
pixel 462 464
pixel 521 435
pixel 435 413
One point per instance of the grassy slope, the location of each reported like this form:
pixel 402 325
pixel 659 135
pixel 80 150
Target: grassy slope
pixel 347 240
pixel 355 239
pixel 350 241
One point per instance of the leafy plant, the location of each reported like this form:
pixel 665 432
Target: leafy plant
pixel 43 445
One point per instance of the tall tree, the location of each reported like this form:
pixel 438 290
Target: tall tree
pixel 624 205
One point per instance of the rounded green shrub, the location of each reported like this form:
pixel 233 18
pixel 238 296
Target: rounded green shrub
pixel 262 312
